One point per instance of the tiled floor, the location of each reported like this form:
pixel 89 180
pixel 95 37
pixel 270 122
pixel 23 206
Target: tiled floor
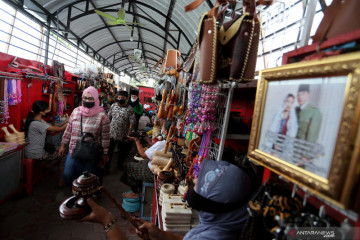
pixel 36 216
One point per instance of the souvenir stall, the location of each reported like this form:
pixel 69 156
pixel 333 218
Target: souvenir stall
pixel 200 103
pixel 236 94
pixel 22 82
pixel 213 106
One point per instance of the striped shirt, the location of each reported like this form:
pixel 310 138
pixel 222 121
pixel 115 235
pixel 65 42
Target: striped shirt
pixel 36 137
pixel 98 125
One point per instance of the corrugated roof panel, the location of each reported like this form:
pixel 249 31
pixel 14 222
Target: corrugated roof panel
pixel 150 27
pixel 99 39
pixel 156 52
pixel 153 47
pixel 86 24
pixel 184 47
pixel 122 63
pixel 53 5
pixel 155 39
pixel 188 22
pixel 160 5
pixel 150 40
pixel 106 52
pixel 122 60
pixel 121 32
pixel 102 3
pixel 74 11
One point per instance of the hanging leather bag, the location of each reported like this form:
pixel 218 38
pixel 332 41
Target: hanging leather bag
pixel 238 45
pixel 172 59
pixel 341 17
pixel 205 63
pixel 88 151
pixel 58 69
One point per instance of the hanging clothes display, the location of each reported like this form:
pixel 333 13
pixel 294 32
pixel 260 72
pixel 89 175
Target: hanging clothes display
pixel 10 92
pixel 14 92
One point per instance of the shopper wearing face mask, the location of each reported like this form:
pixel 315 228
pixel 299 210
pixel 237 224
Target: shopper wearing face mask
pixel 95 121
pixel 138 107
pixel 36 129
pixel 122 122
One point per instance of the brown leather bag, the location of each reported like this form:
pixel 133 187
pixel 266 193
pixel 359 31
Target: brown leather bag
pixel 339 18
pixel 207 50
pixel 172 59
pixel 58 69
pixel 238 46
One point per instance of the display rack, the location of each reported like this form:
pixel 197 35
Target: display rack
pixel 223 109
pixel 10 75
pixel 224 105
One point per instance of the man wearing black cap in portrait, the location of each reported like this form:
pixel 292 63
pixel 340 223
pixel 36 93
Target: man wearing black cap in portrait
pixel 135 103
pixel 309 117
pixel 122 122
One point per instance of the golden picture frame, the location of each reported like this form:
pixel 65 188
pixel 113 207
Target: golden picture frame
pixel 306 125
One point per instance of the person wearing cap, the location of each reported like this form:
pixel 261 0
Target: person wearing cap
pixel 138 107
pixel 309 117
pixel 122 122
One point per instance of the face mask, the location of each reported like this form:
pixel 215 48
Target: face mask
pixel 200 203
pixel 133 100
pixel 121 101
pixel 191 197
pixel 88 104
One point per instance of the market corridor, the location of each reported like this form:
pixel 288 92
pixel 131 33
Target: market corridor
pixel 36 217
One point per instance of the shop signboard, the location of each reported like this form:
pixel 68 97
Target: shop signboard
pixel 305 124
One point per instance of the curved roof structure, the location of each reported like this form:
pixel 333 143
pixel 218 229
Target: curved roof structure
pixel 166 26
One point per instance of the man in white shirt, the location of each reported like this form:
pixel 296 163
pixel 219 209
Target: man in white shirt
pixel 137 172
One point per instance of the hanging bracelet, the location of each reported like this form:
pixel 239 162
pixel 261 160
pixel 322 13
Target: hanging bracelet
pixel 110 226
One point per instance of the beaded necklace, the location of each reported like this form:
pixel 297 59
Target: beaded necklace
pixel 202 154
pixel 5 103
pixel 2 105
pixel 18 90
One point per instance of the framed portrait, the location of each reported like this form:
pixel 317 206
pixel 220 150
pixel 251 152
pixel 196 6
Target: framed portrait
pixel 306 123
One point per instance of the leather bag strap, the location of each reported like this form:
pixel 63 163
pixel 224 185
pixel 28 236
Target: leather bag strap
pixel 212 13
pixel 249 6
pixel 193 5
pixel 179 57
pixel 81 126
pixel 158 62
